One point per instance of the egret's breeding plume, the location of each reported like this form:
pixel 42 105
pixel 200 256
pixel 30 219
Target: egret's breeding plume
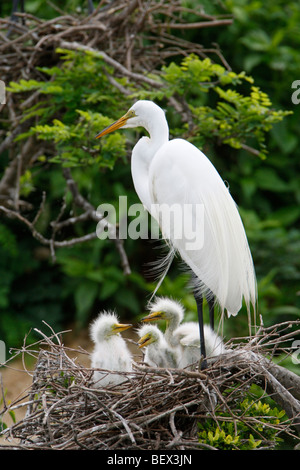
pixel 110 351
pixel 175 173
pixel 169 310
pixel 157 351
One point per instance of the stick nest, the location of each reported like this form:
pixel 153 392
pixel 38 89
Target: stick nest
pixel 153 409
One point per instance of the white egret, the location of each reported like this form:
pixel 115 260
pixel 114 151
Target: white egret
pixel 175 173
pixel 110 351
pixel 158 352
pixel 169 310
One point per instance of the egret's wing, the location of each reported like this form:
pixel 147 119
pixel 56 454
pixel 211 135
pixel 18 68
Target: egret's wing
pixel 204 224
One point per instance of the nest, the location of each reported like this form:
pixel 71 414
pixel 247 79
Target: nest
pixel 153 408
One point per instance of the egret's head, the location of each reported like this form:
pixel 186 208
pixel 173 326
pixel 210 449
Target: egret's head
pixel 149 334
pixel 142 113
pixel 106 325
pixel 165 309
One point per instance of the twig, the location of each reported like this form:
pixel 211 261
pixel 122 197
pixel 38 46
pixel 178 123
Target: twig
pixel 198 25
pixel 110 61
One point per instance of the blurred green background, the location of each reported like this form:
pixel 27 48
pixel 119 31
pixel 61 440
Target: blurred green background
pixel 263 41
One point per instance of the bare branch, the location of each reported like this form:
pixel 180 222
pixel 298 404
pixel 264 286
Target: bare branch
pixel 199 25
pixel 110 61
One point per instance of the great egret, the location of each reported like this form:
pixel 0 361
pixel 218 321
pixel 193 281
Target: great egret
pixel 110 351
pixel 158 352
pixel 176 173
pixel 169 310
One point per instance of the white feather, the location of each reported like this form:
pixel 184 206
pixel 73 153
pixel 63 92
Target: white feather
pixel 223 265
pixel 110 351
pixel 158 353
pixel 172 312
pixel 189 338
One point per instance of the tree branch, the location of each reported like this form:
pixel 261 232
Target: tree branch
pixel 283 386
pixel 89 213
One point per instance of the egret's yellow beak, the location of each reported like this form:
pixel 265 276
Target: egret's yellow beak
pixel 115 125
pixel 154 316
pixel 145 340
pixel 120 327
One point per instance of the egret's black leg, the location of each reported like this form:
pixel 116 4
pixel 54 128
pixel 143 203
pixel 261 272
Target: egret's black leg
pixel 15 5
pixel 199 302
pixel 91 7
pixel 13 17
pixel 211 309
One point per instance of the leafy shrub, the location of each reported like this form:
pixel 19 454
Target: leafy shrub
pixel 252 427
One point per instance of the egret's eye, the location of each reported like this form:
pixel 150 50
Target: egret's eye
pixel 131 113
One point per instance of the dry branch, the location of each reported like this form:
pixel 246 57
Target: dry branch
pixel 89 213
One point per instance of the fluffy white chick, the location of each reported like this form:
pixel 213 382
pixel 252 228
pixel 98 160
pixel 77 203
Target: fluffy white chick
pixel 163 308
pixel 157 351
pixel 189 338
pixel 110 350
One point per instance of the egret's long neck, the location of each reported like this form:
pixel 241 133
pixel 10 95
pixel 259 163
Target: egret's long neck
pixel 172 324
pixel 158 132
pixel 143 154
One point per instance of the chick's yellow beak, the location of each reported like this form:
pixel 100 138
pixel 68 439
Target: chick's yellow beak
pixel 114 126
pixel 153 316
pixel 121 327
pixel 144 341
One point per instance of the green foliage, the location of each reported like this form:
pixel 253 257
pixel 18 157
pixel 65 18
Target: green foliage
pixel 270 33
pixel 25 294
pixel 11 413
pixel 254 426
pixel 68 117
pixel 231 118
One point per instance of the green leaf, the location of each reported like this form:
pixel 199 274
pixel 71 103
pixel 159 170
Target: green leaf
pixel 85 296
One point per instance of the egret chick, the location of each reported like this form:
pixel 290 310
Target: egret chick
pixel 158 353
pixel 189 338
pixel 110 351
pixel 169 310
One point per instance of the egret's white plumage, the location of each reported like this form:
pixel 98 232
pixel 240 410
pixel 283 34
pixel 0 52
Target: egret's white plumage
pixel 157 351
pixel 110 350
pixel 189 338
pixel 163 308
pixel 175 172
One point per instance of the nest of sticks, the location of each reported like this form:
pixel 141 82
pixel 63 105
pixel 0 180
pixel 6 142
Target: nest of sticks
pixel 154 408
